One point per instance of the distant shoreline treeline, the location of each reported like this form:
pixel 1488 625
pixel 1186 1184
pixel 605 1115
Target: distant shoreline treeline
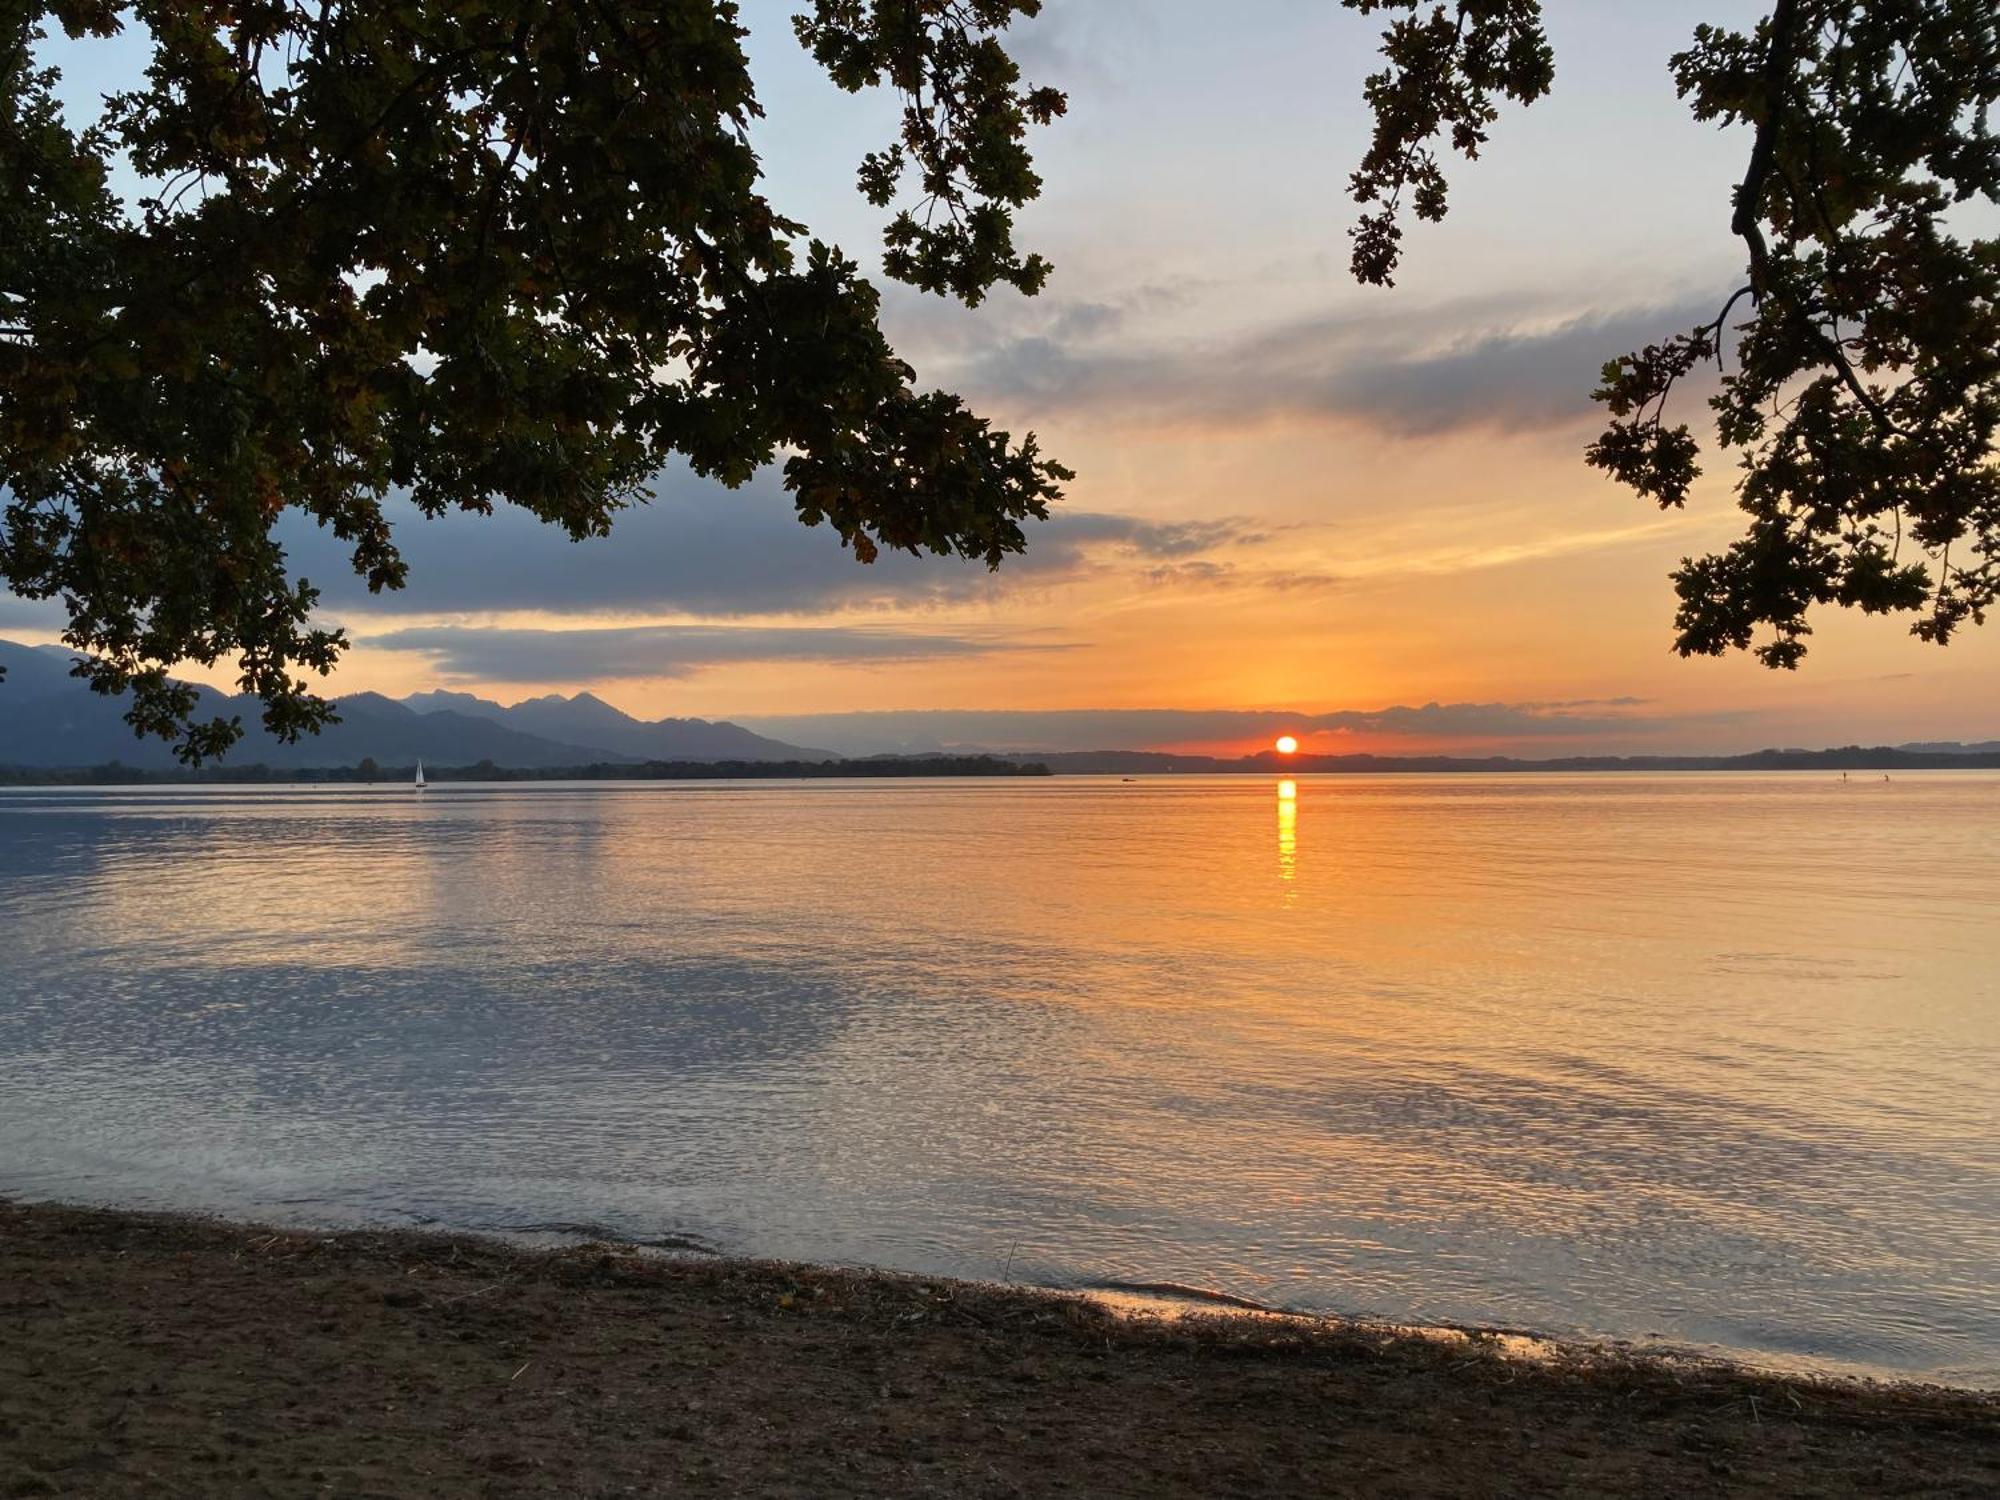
pixel 1074 763
pixel 1847 758
pixel 368 773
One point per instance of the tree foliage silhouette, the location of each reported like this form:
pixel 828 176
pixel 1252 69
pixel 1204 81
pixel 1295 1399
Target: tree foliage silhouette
pixel 512 251
pixel 517 252
pixel 1865 390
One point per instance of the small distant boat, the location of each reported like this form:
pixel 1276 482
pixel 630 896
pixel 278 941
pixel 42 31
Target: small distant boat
pixel 420 775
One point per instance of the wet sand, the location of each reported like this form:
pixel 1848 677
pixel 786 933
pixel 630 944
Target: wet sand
pixel 156 1355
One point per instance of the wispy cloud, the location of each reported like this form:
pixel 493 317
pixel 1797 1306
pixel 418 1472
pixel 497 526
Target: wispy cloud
pixel 463 653
pixel 1406 372
pixel 1404 561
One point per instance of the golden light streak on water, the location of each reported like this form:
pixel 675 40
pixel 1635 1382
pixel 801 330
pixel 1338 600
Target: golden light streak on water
pixel 1288 830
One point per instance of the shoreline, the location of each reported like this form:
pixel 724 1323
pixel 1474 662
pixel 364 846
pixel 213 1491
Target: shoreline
pixel 1168 1301
pixel 1071 765
pixel 147 1353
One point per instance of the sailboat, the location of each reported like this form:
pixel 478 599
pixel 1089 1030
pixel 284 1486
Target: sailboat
pixel 420 775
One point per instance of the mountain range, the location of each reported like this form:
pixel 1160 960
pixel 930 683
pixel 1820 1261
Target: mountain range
pixel 586 719
pixel 49 720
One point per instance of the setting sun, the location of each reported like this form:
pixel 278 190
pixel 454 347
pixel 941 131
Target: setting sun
pixel 1287 744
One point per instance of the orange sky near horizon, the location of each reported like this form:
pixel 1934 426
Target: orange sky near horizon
pixel 1372 570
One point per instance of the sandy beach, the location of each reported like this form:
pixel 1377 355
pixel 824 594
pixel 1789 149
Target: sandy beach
pixel 157 1355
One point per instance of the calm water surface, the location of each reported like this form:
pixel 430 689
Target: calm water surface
pixel 1711 1059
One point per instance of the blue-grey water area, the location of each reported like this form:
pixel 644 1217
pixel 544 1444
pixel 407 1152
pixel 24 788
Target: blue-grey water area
pixel 1711 1060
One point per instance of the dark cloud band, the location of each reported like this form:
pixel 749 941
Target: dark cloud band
pixel 698 549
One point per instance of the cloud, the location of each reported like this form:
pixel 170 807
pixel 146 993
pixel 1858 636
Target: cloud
pixel 1408 372
pixel 470 654
pixel 1158 539
pixel 1137 729
pixel 1205 574
pixel 1074 47
pixel 698 549
pixel 33 616
pixel 1201 573
pixel 1506 379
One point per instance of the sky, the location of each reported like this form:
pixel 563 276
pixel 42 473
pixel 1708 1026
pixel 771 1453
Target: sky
pixel 1359 510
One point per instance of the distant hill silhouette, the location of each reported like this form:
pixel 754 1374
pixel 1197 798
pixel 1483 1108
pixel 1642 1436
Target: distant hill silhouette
pixel 588 720
pixel 50 720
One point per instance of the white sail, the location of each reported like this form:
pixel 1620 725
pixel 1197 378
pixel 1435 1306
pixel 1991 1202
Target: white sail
pixel 420 775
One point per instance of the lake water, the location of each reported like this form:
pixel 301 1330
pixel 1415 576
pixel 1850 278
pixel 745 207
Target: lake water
pixel 1708 1059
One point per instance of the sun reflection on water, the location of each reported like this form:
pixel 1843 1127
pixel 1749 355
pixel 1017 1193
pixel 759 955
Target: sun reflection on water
pixel 1288 830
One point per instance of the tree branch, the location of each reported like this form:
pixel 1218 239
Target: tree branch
pixel 1778 63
